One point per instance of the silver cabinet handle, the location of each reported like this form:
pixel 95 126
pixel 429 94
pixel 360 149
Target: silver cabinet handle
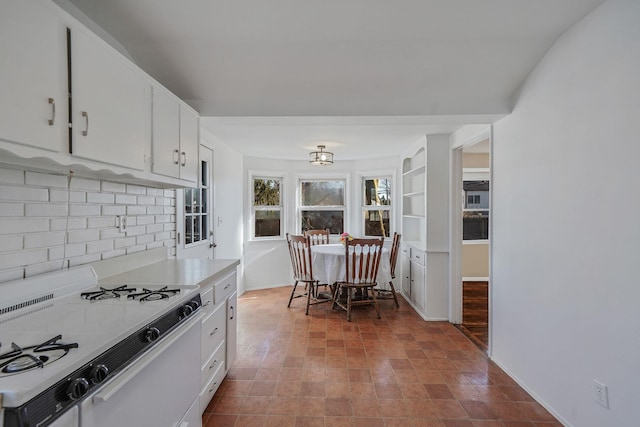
pixel 233 312
pixel 227 287
pixel 206 303
pixel 213 332
pixel 85 132
pixel 176 157
pixel 184 159
pixel 215 362
pixel 53 111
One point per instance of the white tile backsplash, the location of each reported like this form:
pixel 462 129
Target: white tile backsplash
pixel 37 235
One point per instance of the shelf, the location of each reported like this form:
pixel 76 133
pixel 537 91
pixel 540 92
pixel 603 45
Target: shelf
pixel 414 171
pixel 413 194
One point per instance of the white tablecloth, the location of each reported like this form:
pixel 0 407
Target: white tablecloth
pixel 328 263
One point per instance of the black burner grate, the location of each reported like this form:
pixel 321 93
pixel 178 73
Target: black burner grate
pixel 153 295
pixel 105 293
pixel 20 359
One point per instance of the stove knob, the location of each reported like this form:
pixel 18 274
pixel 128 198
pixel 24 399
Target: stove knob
pixel 194 304
pixel 99 373
pixel 185 311
pixel 151 334
pixel 78 388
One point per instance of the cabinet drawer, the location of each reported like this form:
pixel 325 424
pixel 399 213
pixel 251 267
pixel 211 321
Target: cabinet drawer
pixel 213 331
pixel 212 365
pixel 223 288
pixel 207 300
pixel 207 392
pixel 417 256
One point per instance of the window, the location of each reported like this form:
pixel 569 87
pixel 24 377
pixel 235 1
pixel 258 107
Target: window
pixel 196 209
pixel 376 206
pixel 475 215
pixel 322 205
pixel 267 207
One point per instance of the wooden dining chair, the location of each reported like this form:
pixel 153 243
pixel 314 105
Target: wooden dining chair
pixel 362 264
pixel 393 258
pixel 318 237
pixel 300 252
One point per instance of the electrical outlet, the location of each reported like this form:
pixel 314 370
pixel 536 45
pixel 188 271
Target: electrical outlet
pixel 121 223
pixel 601 394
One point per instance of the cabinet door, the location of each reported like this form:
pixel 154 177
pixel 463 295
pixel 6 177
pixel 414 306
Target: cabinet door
pixel 418 285
pixel 166 134
pixel 32 84
pixel 189 142
pixel 111 104
pixel 232 329
pixel 406 272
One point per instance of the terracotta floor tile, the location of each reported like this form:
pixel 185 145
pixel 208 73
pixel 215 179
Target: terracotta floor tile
pixel 251 421
pixel 280 421
pixel 309 422
pixel 256 405
pixel 288 388
pixel 319 370
pixel 359 375
pixel 477 409
pixel 438 391
pixel 284 406
pixel 388 391
pixel 262 388
pixel 311 406
pixel 335 407
pixel 216 420
pixel 313 389
pixel 365 407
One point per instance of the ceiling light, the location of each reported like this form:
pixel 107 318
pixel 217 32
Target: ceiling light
pixel 320 157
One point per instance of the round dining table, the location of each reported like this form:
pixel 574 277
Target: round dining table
pixel 328 263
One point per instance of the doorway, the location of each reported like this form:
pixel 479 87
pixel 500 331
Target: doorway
pixel 471 209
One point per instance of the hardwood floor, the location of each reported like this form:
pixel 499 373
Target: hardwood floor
pixel 319 370
pixel 475 313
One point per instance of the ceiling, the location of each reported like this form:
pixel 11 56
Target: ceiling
pixel 276 78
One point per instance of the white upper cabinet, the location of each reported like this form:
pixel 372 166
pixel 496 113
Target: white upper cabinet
pixel 111 114
pixel 175 137
pixel 189 142
pixel 33 101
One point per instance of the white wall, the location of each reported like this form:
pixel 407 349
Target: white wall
pixel 565 229
pixel 37 208
pixel 266 263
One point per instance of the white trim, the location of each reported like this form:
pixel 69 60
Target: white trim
pixel 455 238
pixel 491 169
pixel 476 242
pixel 475 279
pixel 476 174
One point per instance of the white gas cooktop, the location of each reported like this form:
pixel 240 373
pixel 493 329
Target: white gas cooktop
pixel 35 310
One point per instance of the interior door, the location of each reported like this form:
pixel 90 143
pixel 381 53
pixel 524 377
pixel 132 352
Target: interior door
pixel 194 213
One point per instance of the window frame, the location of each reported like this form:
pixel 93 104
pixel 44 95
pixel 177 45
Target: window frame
pixel 390 208
pixel 317 178
pixel 253 175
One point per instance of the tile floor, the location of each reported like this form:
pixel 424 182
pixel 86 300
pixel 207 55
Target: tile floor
pixel 320 370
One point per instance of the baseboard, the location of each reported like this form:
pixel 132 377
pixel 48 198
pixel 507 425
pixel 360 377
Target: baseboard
pixel 535 396
pixel 475 279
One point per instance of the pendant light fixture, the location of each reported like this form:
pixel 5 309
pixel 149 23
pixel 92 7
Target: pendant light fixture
pixel 321 157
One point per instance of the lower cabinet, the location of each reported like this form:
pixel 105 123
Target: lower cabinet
pixel 219 334
pixel 417 272
pixel 232 329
